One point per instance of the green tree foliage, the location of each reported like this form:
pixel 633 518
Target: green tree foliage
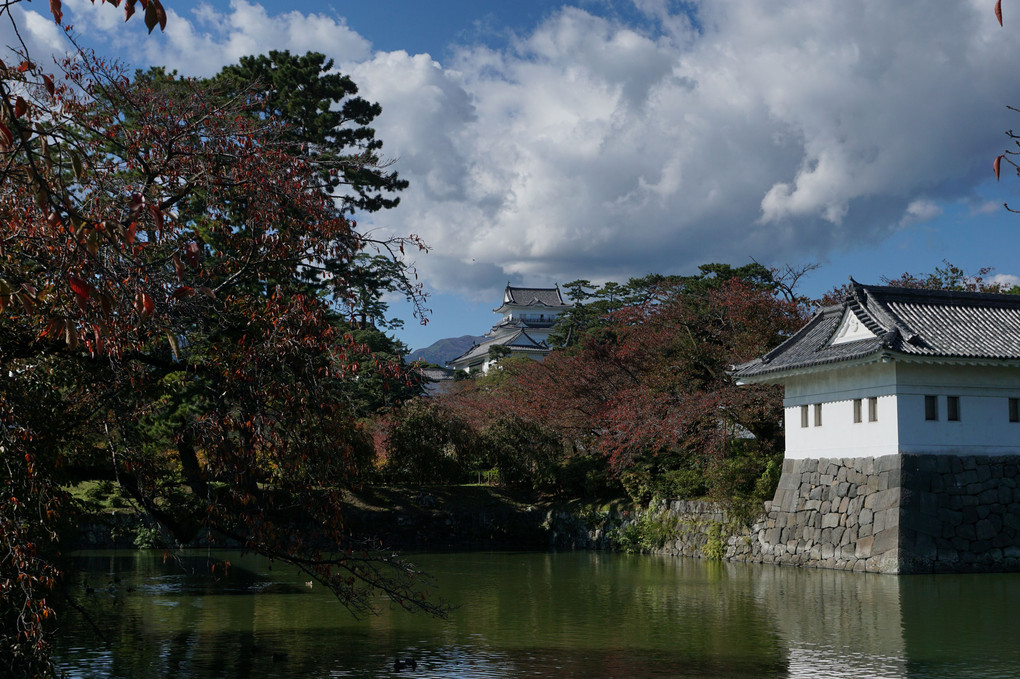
pixel 952 277
pixel 644 388
pixel 425 443
pixel 384 382
pixel 323 120
pixel 594 306
pixel 948 276
pixel 521 451
pixel 156 248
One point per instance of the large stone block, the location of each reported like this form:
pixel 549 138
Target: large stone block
pixel 789 481
pixel 985 529
pixel 863 548
pixel 885 541
pixel 888 463
pixel 883 499
pixel 917 513
pixel 950 517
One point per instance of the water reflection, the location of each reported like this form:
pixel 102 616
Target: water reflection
pixel 543 615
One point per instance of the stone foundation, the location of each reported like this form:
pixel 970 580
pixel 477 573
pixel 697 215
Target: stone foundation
pixel 892 514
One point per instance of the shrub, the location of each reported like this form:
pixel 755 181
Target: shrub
pixel 428 444
pixel 585 476
pixel 522 452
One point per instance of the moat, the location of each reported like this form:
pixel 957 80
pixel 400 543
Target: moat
pixel 530 614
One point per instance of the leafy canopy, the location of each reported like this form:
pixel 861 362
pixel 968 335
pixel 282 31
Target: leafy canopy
pixel 162 321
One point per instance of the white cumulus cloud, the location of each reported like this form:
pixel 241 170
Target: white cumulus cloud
pixel 723 131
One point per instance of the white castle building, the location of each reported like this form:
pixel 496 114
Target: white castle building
pixel 899 370
pixel 529 315
pixel 902 414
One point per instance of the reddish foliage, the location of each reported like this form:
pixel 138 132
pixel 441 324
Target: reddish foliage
pixel 215 411
pixel 654 379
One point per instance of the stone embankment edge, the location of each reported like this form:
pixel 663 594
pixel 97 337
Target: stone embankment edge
pixel 892 514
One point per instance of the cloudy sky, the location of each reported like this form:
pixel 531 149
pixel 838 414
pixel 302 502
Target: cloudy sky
pixel 604 139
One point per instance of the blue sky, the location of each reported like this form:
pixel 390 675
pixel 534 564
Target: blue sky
pixel 546 142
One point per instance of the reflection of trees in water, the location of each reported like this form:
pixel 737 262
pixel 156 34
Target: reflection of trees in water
pixel 600 610
pixel 583 614
pixel 515 613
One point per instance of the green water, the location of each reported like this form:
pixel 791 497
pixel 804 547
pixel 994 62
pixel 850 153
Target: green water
pixel 543 615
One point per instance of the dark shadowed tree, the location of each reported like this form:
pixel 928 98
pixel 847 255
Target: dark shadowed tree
pixel 324 120
pixel 156 248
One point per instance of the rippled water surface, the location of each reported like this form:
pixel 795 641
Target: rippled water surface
pixel 541 615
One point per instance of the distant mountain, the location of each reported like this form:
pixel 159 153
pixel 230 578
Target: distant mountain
pixel 445 349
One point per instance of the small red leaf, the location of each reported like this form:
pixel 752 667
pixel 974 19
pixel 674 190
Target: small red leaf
pixel 99 343
pixel 998 11
pixel 129 9
pixel 131 231
pixel 106 303
pixel 136 203
pixel 995 166
pixel 154 15
pixel 55 328
pixel 71 334
pixel 6 138
pixel 48 83
pixel 157 216
pixel 144 305
pixel 56 10
pixel 80 287
pixel 27 303
pixel 20 107
pixel 183 292
pixel 160 14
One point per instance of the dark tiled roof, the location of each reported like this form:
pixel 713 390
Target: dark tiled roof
pixel 549 297
pixel 517 341
pixel 523 340
pixel 438 374
pixel 906 321
pixel 508 323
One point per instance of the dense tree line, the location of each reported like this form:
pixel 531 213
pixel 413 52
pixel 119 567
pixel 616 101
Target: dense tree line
pixel 637 397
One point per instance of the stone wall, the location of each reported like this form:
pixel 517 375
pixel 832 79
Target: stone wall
pixel 831 513
pixel 107 531
pixel 892 514
pixel 959 514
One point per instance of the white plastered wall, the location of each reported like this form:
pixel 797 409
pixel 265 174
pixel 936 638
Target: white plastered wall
pixel 839 435
pixel 984 392
pixel 900 387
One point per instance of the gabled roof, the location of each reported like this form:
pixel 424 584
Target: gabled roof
pixel 899 321
pixel 546 297
pixel 522 340
pixel 517 341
